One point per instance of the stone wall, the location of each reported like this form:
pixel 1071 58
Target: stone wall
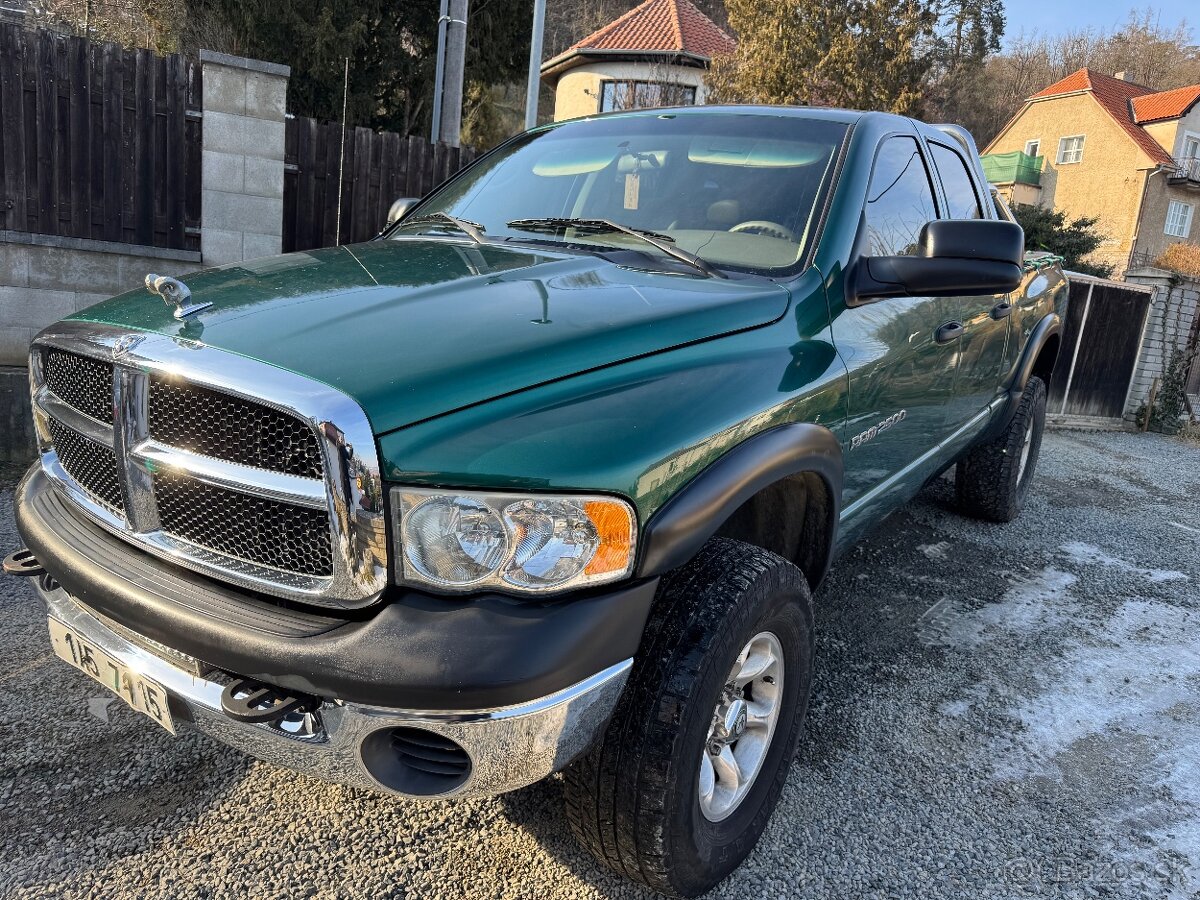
pixel 1170 326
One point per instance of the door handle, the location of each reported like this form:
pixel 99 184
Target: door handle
pixel 1002 310
pixel 951 331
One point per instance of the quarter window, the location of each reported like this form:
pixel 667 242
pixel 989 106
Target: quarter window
pixel 961 198
pixel 617 95
pixel 1070 149
pixel 1179 219
pixel 899 199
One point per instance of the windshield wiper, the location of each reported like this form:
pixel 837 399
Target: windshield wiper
pixel 473 230
pixel 663 242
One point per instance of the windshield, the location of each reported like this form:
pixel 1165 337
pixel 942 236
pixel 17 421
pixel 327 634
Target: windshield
pixel 738 191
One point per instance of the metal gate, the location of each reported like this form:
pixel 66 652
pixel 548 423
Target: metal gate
pixel 1102 339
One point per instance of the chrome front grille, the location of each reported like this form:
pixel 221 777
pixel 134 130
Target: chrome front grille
pixel 91 464
pixel 86 384
pixel 230 428
pixel 280 535
pixel 276 490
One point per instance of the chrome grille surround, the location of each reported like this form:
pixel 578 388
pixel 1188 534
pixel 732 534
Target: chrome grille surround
pixel 350 493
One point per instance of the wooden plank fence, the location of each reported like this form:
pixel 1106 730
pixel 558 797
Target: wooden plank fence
pixel 98 142
pixel 378 168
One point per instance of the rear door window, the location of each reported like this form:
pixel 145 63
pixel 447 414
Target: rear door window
pixel 961 199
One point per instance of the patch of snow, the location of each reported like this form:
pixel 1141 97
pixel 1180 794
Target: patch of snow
pixel 1089 554
pixel 935 551
pixel 1029 606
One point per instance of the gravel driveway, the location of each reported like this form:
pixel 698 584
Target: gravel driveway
pixel 999 711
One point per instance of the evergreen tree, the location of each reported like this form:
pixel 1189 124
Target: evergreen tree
pixel 864 54
pixel 1049 230
pixel 391 45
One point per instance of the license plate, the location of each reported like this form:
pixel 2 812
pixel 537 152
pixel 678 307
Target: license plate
pixel 146 696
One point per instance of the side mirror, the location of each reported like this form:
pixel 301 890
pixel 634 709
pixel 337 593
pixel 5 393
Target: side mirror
pixel 955 257
pixel 400 209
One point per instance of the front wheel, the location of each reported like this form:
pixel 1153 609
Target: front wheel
pixel 683 782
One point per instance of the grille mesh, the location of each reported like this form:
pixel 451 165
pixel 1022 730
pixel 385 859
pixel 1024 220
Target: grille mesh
pixel 82 382
pixel 93 465
pixel 230 428
pixel 262 531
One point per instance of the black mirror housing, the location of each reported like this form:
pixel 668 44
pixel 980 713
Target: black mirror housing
pixel 955 257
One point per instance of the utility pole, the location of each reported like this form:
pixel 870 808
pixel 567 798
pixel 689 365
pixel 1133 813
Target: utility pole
pixel 535 63
pixel 448 77
pixel 439 74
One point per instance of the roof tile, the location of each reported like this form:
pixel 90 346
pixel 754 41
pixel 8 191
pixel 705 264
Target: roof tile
pixel 663 26
pixel 1118 98
pixel 1165 104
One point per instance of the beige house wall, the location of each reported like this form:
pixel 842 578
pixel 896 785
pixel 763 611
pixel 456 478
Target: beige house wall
pixel 578 90
pixel 1107 183
pixel 1152 238
pixel 1170 134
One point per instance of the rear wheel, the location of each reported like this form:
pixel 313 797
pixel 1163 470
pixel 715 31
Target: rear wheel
pixel 992 481
pixel 683 782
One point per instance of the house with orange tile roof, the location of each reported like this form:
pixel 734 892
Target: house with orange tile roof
pixel 654 55
pixel 1101 145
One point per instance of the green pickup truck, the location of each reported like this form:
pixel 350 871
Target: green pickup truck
pixel 544 477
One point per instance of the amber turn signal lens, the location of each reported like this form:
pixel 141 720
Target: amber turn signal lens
pixel 615 528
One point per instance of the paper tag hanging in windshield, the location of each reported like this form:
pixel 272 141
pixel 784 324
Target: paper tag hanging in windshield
pixel 632 183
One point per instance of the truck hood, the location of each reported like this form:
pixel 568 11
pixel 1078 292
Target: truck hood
pixel 416 327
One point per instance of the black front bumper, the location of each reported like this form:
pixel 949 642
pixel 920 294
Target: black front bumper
pixel 411 651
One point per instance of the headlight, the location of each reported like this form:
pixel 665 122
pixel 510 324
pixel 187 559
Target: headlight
pixel 464 540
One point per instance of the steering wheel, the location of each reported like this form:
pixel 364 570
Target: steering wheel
pixel 762 226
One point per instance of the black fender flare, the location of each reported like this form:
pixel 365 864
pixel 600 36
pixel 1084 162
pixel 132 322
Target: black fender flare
pixel 1049 326
pixel 682 525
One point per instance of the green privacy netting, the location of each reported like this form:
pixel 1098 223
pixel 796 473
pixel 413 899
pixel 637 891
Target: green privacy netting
pixel 1005 168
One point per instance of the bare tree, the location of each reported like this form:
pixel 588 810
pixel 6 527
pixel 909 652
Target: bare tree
pixel 1148 52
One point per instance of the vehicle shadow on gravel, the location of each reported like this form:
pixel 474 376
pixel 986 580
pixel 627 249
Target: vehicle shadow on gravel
pixel 998 710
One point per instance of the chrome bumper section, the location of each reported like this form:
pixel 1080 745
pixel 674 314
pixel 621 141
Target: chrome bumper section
pixel 509 747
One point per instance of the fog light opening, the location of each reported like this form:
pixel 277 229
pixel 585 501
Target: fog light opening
pixel 415 761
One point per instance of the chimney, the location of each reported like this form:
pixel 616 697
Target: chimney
pixel 1122 76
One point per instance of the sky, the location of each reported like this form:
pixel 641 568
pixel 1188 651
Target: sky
pixel 1054 16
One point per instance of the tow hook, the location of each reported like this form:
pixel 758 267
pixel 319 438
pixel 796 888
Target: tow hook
pixel 252 701
pixel 23 564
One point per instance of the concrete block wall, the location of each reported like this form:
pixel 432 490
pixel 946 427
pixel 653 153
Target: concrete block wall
pixel 44 278
pixel 1173 312
pixel 242 158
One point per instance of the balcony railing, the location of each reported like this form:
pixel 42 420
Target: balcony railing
pixel 1013 168
pixel 1186 171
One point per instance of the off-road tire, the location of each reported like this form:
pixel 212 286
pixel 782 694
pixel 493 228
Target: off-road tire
pixel 633 799
pixel 989 481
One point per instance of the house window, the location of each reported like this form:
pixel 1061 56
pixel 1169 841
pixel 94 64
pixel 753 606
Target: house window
pixel 1070 149
pixel 1191 146
pixel 617 95
pixel 1032 147
pixel 1179 219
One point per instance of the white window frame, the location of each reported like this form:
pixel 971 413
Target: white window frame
pixel 1179 218
pixel 1189 136
pixel 1077 152
pixel 1036 144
